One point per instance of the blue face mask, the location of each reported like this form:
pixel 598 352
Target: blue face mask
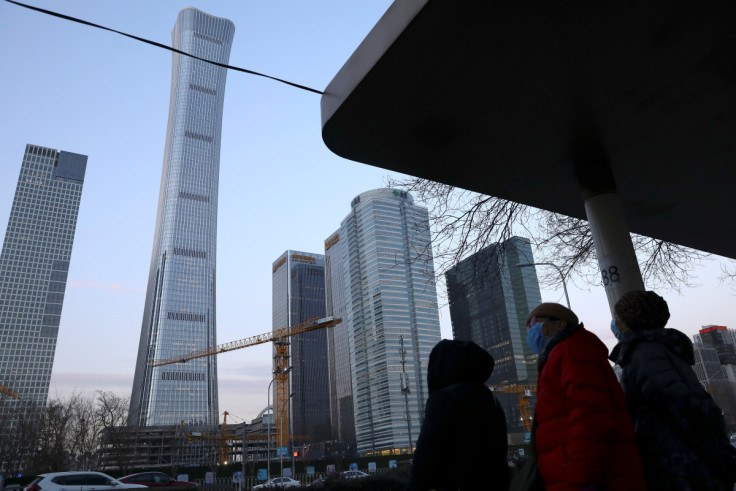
pixel 614 329
pixel 535 338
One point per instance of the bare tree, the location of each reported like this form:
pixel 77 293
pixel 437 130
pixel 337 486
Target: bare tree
pixel 464 222
pixel 112 416
pixel 84 432
pixel 19 431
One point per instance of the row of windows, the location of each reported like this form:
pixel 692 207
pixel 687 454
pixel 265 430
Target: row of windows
pixel 199 88
pixel 189 252
pixel 186 316
pixel 207 38
pixel 197 136
pixel 195 197
pixel 185 376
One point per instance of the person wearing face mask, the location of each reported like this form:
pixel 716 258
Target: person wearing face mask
pixel 680 430
pixel 584 436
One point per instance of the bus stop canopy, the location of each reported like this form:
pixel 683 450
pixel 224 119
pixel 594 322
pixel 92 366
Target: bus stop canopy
pixel 506 98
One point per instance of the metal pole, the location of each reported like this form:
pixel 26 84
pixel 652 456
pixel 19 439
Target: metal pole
pixel 268 438
pixel 405 390
pixel 562 277
pixel 281 436
pixel 244 454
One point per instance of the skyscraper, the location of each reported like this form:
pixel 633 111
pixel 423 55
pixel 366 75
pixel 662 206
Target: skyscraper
pixel 33 267
pixel 179 314
pixel 490 299
pixel 338 345
pixel 298 295
pixel 389 295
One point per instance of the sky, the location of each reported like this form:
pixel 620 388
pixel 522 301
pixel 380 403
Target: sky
pixel 84 90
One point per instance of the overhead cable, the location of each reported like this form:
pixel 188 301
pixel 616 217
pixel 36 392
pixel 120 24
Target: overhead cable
pixel 159 45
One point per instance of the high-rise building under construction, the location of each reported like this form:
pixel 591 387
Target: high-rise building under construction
pixel 179 314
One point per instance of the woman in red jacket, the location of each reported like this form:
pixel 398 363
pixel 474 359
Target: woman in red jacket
pixel 584 437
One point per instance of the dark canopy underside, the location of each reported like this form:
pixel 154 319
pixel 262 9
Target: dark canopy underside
pixel 502 98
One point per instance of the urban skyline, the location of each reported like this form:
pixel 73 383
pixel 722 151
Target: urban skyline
pixel 34 266
pixel 180 309
pixel 112 94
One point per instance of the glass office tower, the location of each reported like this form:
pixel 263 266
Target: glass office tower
pixel 34 266
pixel 490 299
pixel 338 345
pixel 179 313
pixel 389 294
pixel 298 295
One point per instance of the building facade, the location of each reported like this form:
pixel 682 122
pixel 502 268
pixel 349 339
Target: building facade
pixel 707 367
pixel 389 294
pixel 338 346
pixel 298 295
pixel 490 299
pixel 33 268
pixel 179 314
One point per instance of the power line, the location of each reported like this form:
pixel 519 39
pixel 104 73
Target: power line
pixel 159 45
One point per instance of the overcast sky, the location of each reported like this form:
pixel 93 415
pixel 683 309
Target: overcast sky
pixel 83 90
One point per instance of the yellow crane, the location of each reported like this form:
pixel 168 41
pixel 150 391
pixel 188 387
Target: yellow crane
pixel 223 438
pixel 9 392
pixel 524 392
pixel 280 362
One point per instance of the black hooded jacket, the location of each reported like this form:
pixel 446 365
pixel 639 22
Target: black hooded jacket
pixel 462 444
pixel 679 429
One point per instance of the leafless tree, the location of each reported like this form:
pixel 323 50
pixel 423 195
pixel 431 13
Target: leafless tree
pixel 463 222
pixel 20 427
pixel 112 415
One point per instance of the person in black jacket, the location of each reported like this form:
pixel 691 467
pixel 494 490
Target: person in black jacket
pixel 680 431
pixel 462 444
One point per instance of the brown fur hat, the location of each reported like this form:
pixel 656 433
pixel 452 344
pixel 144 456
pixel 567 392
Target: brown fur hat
pixel 642 310
pixel 555 311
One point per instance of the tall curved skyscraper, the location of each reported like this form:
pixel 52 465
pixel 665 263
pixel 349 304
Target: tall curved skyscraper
pixel 179 314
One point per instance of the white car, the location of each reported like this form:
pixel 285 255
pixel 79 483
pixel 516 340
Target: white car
pixel 77 481
pixel 279 482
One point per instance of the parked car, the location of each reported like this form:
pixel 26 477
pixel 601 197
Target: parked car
pixel 279 482
pixel 77 481
pixel 354 475
pixel 154 479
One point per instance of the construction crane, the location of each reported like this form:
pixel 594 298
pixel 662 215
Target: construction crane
pixel 280 361
pixel 223 438
pixel 524 392
pixel 9 392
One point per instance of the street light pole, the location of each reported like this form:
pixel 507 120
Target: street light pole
pixel 270 421
pixel 281 435
pixel 562 277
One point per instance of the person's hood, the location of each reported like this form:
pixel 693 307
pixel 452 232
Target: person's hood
pixel 674 340
pixel 453 362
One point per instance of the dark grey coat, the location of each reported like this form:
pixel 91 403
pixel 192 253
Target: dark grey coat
pixel 680 431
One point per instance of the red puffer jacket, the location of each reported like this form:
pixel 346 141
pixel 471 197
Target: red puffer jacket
pixel 585 437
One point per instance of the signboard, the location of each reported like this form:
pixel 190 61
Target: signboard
pixel 262 474
pixel 353 466
pixel 287 472
pixel 330 469
pixel 371 467
pixel 282 451
pixel 713 328
pixel 209 478
pixel 182 477
pixel 310 470
pixel 521 452
pixel 392 464
pixel 237 476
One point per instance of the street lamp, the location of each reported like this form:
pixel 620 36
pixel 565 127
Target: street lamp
pixel 281 435
pixel 270 420
pixel 562 277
